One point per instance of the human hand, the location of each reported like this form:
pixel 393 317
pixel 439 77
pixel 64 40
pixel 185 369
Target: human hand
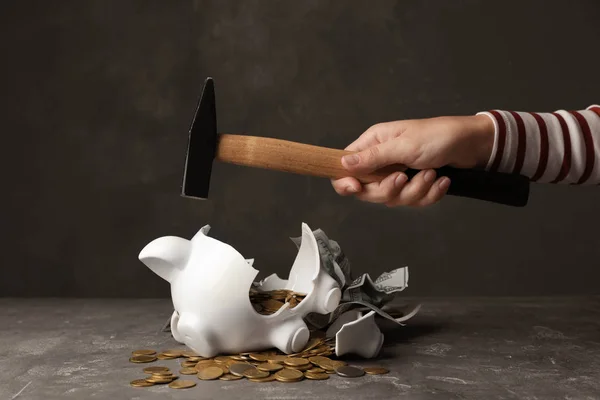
pixel 461 142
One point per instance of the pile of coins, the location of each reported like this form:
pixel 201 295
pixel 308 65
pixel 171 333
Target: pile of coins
pixel 268 302
pixel 267 366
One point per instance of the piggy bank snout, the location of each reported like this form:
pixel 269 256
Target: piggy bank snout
pixel 196 335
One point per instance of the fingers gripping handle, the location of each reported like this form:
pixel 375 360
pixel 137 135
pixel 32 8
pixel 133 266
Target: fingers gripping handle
pixel 304 159
pixel 501 188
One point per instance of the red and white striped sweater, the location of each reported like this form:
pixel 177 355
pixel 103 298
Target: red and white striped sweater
pixel 558 147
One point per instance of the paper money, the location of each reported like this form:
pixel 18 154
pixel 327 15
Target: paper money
pixel 333 259
pixel 320 321
pixel 362 292
pixel 380 292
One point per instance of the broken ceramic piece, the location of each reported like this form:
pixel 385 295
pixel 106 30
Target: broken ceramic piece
pixel 306 276
pixel 210 281
pixel 361 337
pixel 336 325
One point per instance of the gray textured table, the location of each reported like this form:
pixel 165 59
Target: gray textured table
pixel 454 349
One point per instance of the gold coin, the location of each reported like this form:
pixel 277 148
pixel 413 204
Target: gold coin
pixel 269 378
pixel 210 373
pixel 300 368
pixel 142 359
pixel 349 372
pixel 201 367
pixel 160 379
pixel 315 370
pixel 196 359
pixel 238 369
pixel 288 375
pixel 312 343
pixel 271 305
pixel 173 353
pixel 141 383
pixel 326 365
pixel 205 363
pixel 188 371
pixel 224 367
pixel 318 359
pixel 143 352
pixel 269 367
pixel 318 351
pixel 317 377
pixel 336 364
pixel 151 370
pixel 239 358
pixel 189 353
pixel 162 373
pixel 188 364
pixel 162 356
pixel 222 359
pixel 255 373
pixel 328 368
pixel 230 377
pixel 376 370
pixel 259 357
pixel 288 380
pixel 231 362
pixel 293 302
pixel 278 359
pixel 296 362
pixel 182 384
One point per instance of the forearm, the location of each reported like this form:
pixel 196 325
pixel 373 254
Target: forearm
pixel 558 147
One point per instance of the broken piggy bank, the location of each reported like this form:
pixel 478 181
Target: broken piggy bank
pixel 210 281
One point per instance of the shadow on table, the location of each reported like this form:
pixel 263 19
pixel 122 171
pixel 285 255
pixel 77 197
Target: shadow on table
pixel 414 330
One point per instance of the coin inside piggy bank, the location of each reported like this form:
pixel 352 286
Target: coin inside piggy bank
pixel 210 284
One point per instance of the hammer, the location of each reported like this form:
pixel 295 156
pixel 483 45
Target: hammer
pixel 205 145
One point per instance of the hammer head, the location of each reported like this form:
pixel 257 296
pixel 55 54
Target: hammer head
pixel 202 145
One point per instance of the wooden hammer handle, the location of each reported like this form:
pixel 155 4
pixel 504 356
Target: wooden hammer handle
pixel 286 156
pixel 305 159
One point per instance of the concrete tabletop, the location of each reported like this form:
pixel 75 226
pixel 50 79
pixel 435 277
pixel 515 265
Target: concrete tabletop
pixel 454 349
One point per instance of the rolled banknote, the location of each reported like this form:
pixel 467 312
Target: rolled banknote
pixel 378 292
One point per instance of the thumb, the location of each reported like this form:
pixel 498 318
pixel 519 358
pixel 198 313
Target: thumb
pixel 375 157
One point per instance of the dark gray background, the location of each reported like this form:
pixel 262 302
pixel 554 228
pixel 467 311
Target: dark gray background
pixel 97 97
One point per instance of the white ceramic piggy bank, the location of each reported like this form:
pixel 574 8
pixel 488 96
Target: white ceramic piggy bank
pixel 210 282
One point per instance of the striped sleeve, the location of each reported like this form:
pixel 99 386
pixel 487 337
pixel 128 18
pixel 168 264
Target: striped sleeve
pixel 557 147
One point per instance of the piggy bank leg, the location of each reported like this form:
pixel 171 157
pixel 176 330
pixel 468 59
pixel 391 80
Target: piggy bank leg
pixel 290 336
pixel 174 328
pixel 196 335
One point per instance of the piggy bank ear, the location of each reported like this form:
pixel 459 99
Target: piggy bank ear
pixel 166 256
